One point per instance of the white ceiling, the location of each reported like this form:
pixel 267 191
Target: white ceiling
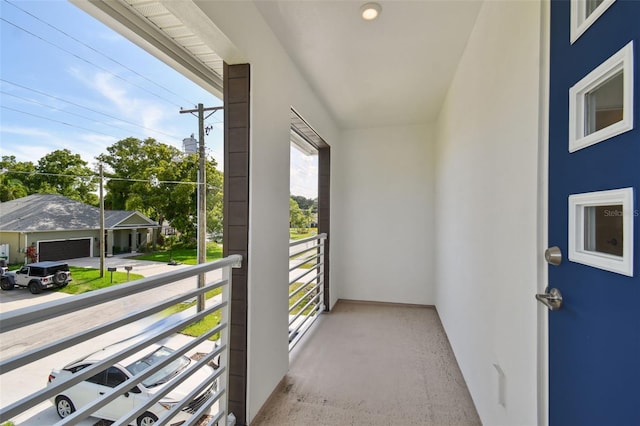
pixel 391 71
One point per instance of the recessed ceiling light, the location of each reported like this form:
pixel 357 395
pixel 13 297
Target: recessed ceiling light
pixel 370 11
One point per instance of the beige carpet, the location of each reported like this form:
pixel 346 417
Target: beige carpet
pixel 373 364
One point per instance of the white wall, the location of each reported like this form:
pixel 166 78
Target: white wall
pixel 486 206
pixel 383 227
pixel 276 86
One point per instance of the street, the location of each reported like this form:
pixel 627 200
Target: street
pixel 30 378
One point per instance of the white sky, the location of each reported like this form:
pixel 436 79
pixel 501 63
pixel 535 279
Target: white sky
pixel 68 81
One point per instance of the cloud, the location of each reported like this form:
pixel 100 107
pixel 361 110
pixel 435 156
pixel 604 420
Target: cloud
pixel 303 178
pixel 35 143
pixel 132 104
pixel 23 131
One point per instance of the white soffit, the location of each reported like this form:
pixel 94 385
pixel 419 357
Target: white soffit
pixel 156 28
pixel 174 28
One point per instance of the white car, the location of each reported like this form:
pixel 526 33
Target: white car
pixel 90 389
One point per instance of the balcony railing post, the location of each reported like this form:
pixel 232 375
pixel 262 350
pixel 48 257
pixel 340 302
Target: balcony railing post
pixel 225 340
pixel 321 278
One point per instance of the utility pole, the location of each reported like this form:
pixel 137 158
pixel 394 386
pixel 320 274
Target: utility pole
pixel 102 242
pixel 202 194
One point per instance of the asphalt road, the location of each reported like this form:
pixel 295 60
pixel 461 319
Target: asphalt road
pixel 17 384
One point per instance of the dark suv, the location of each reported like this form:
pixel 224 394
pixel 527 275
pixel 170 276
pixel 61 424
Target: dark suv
pixel 37 276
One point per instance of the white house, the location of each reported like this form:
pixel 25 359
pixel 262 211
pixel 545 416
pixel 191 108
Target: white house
pixel 475 135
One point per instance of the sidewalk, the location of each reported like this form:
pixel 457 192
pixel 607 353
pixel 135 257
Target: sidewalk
pixel 145 268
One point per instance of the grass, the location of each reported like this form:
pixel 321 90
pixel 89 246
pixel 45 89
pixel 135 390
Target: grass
pixel 304 256
pixel 88 279
pixel 188 256
pixel 299 296
pixel 300 233
pixel 207 323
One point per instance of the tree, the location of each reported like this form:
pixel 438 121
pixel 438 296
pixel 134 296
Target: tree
pixel 134 164
pixel 306 203
pixel 16 180
pixel 64 173
pixel 296 215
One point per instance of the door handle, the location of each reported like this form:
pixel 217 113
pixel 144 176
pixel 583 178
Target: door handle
pixel 551 298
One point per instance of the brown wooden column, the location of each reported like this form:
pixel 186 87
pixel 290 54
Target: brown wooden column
pixel 324 209
pixel 236 224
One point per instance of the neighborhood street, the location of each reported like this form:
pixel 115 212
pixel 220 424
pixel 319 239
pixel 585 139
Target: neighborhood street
pixel 21 382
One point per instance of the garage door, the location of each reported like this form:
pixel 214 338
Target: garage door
pixel 64 249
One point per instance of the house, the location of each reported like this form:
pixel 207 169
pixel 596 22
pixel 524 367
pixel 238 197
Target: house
pixel 62 228
pixel 478 135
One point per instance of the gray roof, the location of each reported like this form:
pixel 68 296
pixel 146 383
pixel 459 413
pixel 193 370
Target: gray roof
pixel 50 212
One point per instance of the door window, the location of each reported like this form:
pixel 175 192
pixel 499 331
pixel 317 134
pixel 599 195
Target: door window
pixel 584 13
pixel 601 104
pixel 601 230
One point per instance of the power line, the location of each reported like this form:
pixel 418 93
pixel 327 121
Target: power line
pixel 88 62
pixel 83 107
pixel 185 182
pixel 89 109
pixel 68 112
pixel 55 121
pixel 97 51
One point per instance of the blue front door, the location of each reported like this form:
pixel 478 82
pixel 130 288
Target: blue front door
pixel 594 178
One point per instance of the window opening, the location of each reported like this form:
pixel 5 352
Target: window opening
pixel 584 13
pixel 601 103
pixel 601 230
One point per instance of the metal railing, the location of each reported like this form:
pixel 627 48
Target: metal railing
pixel 148 325
pixel 306 285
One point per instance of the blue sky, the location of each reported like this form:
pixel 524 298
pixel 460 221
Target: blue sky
pixel 68 81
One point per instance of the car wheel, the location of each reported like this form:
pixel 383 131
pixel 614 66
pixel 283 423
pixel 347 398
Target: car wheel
pixel 34 287
pixel 60 277
pixel 64 406
pixel 147 419
pixel 5 284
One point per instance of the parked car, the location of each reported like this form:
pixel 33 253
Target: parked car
pixel 85 392
pixel 37 276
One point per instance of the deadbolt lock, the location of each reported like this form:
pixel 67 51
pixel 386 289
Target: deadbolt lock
pixel 553 256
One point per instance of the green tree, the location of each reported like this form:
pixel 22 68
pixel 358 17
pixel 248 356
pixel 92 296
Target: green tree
pixel 306 203
pixel 16 179
pixel 146 175
pixel 62 172
pixel 296 215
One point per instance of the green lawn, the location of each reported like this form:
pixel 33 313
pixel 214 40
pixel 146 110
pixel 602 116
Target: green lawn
pixel 88 279
pixel 299 295
pixel 188 256
pixel 207 323
pixel 300 233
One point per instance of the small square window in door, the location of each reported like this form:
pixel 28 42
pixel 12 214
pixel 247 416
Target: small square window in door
pixel 604 105
pixel 601 230
pixel 601 104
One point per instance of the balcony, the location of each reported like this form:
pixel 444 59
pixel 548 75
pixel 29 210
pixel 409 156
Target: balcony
pixel 147 373
pixel 372 364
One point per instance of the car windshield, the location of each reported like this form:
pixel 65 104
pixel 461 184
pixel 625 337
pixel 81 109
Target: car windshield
pixel 164 374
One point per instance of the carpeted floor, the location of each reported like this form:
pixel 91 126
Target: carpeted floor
pixel 373 365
